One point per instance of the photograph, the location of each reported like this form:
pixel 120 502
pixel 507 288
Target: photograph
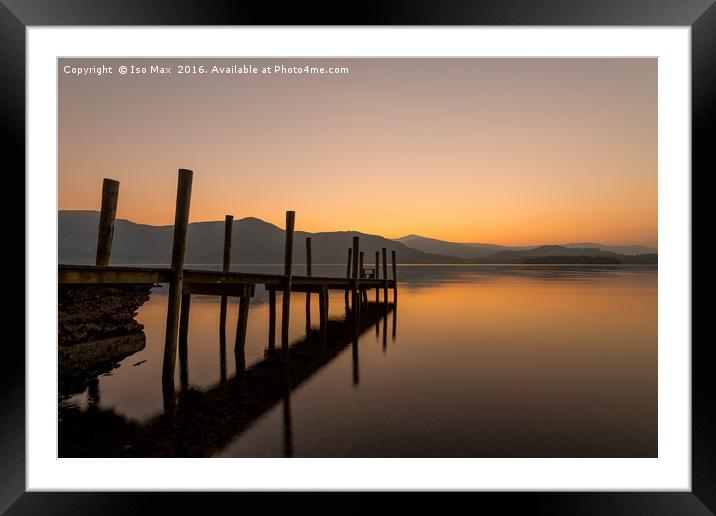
pixel 358 257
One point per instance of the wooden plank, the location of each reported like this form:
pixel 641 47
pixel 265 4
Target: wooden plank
pixel 218 277
pixel 181 224
pixel 89 275
pixel 108 212
pixel 225 290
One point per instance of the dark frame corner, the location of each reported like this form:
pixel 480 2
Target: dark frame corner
pixel 700 15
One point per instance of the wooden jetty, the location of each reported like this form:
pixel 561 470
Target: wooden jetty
pixel 183 283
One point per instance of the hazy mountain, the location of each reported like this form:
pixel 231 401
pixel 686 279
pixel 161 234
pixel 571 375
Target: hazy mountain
pixel 481 250
pixel 459 250
pixel 518 256
pixel 630 250
pixel 253 241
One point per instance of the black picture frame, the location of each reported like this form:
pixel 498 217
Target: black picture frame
pixel 700 15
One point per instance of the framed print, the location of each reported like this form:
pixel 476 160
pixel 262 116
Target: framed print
pixel 437 250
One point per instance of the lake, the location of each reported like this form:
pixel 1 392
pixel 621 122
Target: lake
pixel 471 361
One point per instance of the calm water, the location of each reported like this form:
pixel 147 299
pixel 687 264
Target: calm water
pixel 472 361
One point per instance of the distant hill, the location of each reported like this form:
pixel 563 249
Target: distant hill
pixel 253 241
pixel 481 250
pixel 548 250
pixel 560 254
pixel 257 242
pixel 458 250
pixel 630 250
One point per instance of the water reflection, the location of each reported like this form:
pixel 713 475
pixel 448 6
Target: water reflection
pixel 198 423
pixel 490 361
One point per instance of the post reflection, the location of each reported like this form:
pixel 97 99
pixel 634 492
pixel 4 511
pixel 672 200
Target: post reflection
pixel 199 423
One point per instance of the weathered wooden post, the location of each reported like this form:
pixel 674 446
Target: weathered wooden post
pixel 105 232
pixel 308 293
pixel 377 275
pixel 356 250
pixel 385 274
pixel 183 341
pixel 308 256
pixel 287 263
pixel 323 310
pixel 181 225
pixel 226 266
pixel 395 278
pixel 361 274
pixel 348 272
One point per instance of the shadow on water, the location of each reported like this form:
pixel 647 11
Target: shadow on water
pixel 201 423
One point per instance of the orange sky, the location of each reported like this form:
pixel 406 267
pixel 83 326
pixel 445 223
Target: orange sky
pixel 506 151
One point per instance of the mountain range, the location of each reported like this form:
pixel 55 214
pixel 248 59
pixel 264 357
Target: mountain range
pixel 461 250
pixel 255 241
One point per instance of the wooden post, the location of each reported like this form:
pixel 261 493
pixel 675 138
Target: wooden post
pixel 348 273
pixel 385 274
pixel 356 299
pixel 105 232
pixel 377 275
pixel 308 256
pixel 222 352
pixel 272 320
pixel 226 266
pixel 183 342
pixel 356 247
pixel 323 310
pixel 181 225
pixel 395 277
pixel 287 266
pixel 308 293
pixel 241 324
pixel 360 269
pixel 228 229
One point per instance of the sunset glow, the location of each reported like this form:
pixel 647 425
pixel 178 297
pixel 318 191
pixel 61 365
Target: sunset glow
pixel 505 151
